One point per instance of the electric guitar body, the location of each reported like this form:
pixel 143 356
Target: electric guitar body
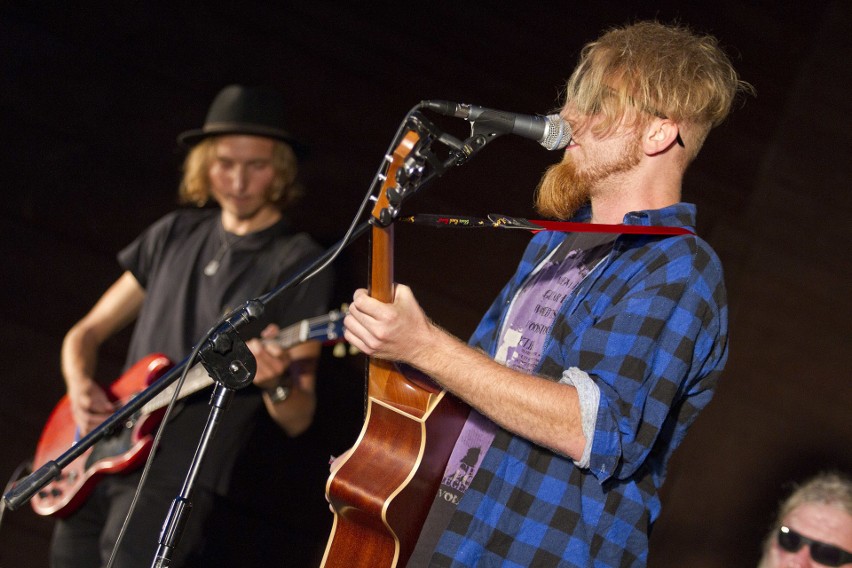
pixel 119 452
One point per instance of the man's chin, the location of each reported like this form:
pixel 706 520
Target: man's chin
pixel 561 193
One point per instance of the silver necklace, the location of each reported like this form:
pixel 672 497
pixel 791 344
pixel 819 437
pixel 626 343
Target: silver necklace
pixel 212 267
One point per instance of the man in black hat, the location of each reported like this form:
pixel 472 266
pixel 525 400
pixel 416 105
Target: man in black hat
pixel 180 277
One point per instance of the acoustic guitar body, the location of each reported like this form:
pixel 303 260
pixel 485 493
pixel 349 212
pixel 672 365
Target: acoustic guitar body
pixel 382 492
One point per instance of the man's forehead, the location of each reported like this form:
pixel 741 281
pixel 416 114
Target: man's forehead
pixel 243 145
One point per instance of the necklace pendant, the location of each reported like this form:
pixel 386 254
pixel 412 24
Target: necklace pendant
pixel 212 267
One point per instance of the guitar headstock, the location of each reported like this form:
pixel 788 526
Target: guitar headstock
pixel 390 196
pixel 327 328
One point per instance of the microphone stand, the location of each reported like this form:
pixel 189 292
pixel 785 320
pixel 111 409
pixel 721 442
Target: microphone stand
pixel 225 355
pixel 178 514
pixel 230 362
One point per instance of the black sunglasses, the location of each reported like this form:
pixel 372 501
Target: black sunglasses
pixel 826 554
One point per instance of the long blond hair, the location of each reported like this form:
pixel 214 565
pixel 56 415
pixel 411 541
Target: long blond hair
pixel 195 185
pixel 664 70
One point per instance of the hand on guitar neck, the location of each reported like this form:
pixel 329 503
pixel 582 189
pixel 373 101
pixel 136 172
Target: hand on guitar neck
pixel 293 370
pixel 396 331
pixel 272 359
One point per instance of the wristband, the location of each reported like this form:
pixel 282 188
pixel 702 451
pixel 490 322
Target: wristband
pixel 277 394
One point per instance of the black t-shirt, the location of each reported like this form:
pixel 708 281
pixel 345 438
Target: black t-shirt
pixel 182 303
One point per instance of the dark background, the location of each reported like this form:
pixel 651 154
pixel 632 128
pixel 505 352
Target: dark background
pixel 93 96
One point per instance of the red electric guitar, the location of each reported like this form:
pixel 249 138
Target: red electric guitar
pixel 382 490
pixel 128 448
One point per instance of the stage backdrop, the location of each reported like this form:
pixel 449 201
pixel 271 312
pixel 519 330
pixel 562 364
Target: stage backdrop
pixel 93 96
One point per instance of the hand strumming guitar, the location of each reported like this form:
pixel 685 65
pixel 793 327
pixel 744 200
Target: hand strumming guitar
pixel 89 404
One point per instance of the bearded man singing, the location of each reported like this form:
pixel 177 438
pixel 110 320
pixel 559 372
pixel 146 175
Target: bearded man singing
pixel 602 349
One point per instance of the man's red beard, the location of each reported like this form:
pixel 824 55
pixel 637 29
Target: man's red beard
pixel 564 189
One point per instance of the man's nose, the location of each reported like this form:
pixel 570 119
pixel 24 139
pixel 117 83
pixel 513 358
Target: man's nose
pixel 573 118
pixel 802 559
pixel 238 177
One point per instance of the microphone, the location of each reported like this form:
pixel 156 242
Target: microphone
pixel 552 131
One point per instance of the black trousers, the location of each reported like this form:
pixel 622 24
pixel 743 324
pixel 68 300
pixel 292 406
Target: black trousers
pixel 220 532
pixel 87 537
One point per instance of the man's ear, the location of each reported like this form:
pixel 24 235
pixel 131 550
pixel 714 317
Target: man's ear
pixel 660 135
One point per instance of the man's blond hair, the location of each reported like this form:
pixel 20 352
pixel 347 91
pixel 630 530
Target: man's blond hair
pixel 663 70
pixel 195 186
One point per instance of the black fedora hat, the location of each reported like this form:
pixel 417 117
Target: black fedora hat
pixel 258 111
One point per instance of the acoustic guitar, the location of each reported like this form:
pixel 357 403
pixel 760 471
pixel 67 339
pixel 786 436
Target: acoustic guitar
pixel 382 489
pixel 129 447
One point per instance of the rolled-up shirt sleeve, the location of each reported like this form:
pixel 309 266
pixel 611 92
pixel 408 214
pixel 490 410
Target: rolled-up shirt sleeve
pixel 590 397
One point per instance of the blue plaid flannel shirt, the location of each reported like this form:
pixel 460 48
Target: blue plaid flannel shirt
pixel 649 326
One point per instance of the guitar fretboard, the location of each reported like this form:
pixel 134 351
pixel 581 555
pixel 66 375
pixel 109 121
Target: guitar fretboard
pixel 324 327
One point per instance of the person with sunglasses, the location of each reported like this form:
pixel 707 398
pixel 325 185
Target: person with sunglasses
pixel 814 526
